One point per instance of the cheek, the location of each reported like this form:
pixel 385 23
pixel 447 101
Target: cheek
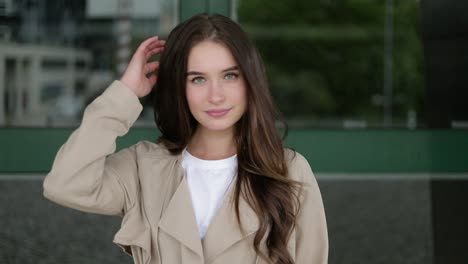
pixel 193 98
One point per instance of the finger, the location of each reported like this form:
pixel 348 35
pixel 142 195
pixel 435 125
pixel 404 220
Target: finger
pixel 151 67
pixel 143 46
pixel 155 44
pixel 152 52
pixel 150 48
pixel 153 79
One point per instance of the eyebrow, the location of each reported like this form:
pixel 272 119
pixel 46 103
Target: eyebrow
pixel 225 70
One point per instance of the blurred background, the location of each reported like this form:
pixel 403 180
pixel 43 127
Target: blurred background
pixel 374 91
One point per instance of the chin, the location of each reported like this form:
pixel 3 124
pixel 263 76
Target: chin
pixel 218 127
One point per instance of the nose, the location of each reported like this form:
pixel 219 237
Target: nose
pixel 216 92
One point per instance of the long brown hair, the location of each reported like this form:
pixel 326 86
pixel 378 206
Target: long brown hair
pixel 262 176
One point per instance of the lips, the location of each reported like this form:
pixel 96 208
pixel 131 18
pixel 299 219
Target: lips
pixel 217 112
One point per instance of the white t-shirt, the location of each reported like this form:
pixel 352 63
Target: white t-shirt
pixel 208 181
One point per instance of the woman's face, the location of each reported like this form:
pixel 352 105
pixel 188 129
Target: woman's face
pixel 215 88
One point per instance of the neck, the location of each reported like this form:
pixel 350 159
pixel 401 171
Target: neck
pixel 212 145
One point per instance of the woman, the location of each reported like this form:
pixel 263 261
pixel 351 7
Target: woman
pixel 217 187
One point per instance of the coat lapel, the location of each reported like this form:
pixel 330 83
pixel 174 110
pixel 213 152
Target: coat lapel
pixel 224 230
pixel 178 219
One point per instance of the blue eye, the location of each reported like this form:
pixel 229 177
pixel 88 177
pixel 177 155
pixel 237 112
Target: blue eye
pixel 198 80
pixel 231 76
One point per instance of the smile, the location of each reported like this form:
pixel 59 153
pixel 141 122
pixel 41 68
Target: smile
pixel 218 112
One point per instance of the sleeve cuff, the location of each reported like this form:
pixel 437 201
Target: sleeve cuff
pixel 128 104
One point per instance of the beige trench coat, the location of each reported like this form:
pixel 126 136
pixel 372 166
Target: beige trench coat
pixel 146 185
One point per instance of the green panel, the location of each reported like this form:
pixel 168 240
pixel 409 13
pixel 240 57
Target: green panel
pixel 188 8
pixel 383 151
pixel 398 151
pixel 222 7
pixel 33 150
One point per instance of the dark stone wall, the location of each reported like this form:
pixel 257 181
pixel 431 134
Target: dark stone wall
pixel 450 218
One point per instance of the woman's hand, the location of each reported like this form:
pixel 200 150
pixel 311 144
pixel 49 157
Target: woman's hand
pixel 140 75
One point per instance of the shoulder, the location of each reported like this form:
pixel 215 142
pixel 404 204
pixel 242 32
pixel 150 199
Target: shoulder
pixel 130 158
pixel 148 148
pixel 145 150
pixel 298 167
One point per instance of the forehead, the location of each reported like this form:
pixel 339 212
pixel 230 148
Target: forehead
pixel 209 56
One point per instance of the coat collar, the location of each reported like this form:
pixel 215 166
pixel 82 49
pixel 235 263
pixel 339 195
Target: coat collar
pixel 178 220
pixel 224 230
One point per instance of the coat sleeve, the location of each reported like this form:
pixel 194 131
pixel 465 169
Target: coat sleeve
pixel 311 226
pixel 86 174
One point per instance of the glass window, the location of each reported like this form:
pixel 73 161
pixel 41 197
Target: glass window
pixel 331 64
pixel 341 64
pixel 56 55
